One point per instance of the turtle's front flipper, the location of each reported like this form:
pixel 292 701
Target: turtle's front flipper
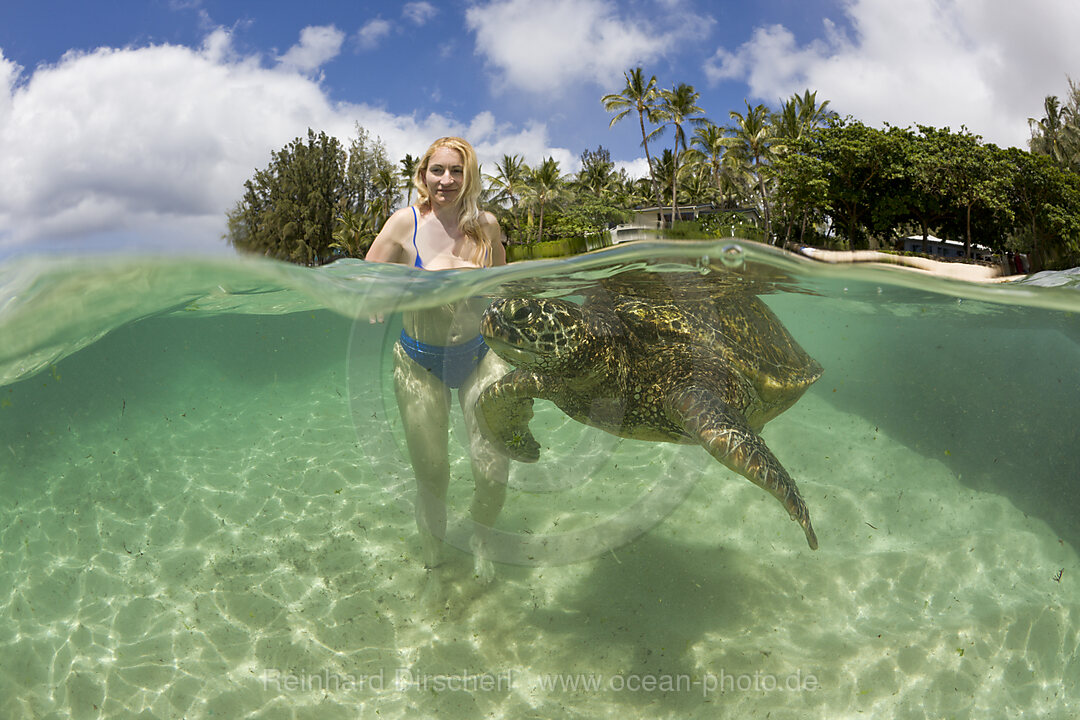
pixel 724 432
pixel 503 412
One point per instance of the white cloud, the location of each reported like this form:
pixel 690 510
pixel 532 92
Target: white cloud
pixel 980 63
pixel 419 12
pixel 373 32
pixel 9 73
pixel 637 168
pixel 318 45
pixel 155 143
pixel 371 35
pixel 542 46
pixel 532 144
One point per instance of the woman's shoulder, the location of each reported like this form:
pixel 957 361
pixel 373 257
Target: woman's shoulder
pixel 402 215
pixel 396 233
pixel 490 225
pixel 400 222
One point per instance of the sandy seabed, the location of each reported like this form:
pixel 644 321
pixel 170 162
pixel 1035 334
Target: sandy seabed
pixel 255 559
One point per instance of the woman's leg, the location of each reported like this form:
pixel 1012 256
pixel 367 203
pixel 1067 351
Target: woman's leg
pixel 490 467
pixel 424 402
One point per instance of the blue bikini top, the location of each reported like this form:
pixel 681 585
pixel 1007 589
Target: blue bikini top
pixel 415 224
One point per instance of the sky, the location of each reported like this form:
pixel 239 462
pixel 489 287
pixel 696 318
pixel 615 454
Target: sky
pixel 134 123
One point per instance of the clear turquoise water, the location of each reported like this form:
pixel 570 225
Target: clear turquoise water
pixel 205 509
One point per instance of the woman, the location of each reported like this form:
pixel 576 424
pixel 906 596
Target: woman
pixel 440 348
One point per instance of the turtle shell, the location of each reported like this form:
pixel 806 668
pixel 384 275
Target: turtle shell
pixel 717 311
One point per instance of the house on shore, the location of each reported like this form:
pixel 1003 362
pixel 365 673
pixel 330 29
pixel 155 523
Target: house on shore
pixel 945 248
pixel 648 220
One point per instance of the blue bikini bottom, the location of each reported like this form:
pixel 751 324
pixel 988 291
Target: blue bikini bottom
pixel 450 363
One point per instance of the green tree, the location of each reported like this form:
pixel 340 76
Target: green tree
pixel 288 210
pixel 802 190
pixel 367 159
pixel 1045 201
pixel 709 139
pixel 678 106
pixel 546 188
pixel 695 179
pixel 586 215
pixel 641 96
pixel 797 118
pixel 386 187
pixel 914 188
pixel 408 172
pixel 736 183
pixel 291 209
pixel 633 192
pixel 750 143
pixel 509 184
pixel 597 174
pixel 355 231
pixel 1057 134
pixel 664 171
pixel 970 176
pixel 859 164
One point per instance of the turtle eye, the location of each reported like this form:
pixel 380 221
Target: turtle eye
pixel 521 314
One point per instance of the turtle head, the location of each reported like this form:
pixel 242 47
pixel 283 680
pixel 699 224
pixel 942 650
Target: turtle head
pixel 538 334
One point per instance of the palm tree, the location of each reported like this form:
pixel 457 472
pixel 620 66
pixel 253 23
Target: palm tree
pixel 797 119
pixel 751 142
pixel 386 184
pixel 632 192
pixel 642 96
pixel 691 179
pixel 695 178
pixel 546 186
pixel 509 184
pixel 678 105
pixel 787 126
pixel 1057 134
pixel 811 115
pixel 597 175
pixel 355 231
pixel 1054 136
pixel 736 182
pixel 408 171
pixel 596 179
pixel 709 139
pixel 664 170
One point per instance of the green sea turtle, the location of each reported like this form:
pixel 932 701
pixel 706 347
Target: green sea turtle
pixel 661 356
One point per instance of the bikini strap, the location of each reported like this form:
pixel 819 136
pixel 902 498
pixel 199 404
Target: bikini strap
pixel 415 225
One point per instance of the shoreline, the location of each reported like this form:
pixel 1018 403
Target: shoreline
pixel 954 270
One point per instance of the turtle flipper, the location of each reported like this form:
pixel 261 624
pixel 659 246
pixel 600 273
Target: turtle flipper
pixel 503 412
pixel 725 433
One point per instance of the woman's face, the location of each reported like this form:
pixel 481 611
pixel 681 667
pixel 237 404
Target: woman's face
pixel 445 175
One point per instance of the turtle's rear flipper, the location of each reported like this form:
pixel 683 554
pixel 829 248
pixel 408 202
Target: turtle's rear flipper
pixel 724 432
pixel 503 412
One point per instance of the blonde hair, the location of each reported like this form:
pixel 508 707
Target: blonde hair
pixel 469 213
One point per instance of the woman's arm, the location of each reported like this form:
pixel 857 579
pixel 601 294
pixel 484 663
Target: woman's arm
pixel 496 238
pixel 389 244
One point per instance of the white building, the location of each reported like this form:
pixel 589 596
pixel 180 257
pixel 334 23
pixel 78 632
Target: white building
pixel 945 248
pixel 648 220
